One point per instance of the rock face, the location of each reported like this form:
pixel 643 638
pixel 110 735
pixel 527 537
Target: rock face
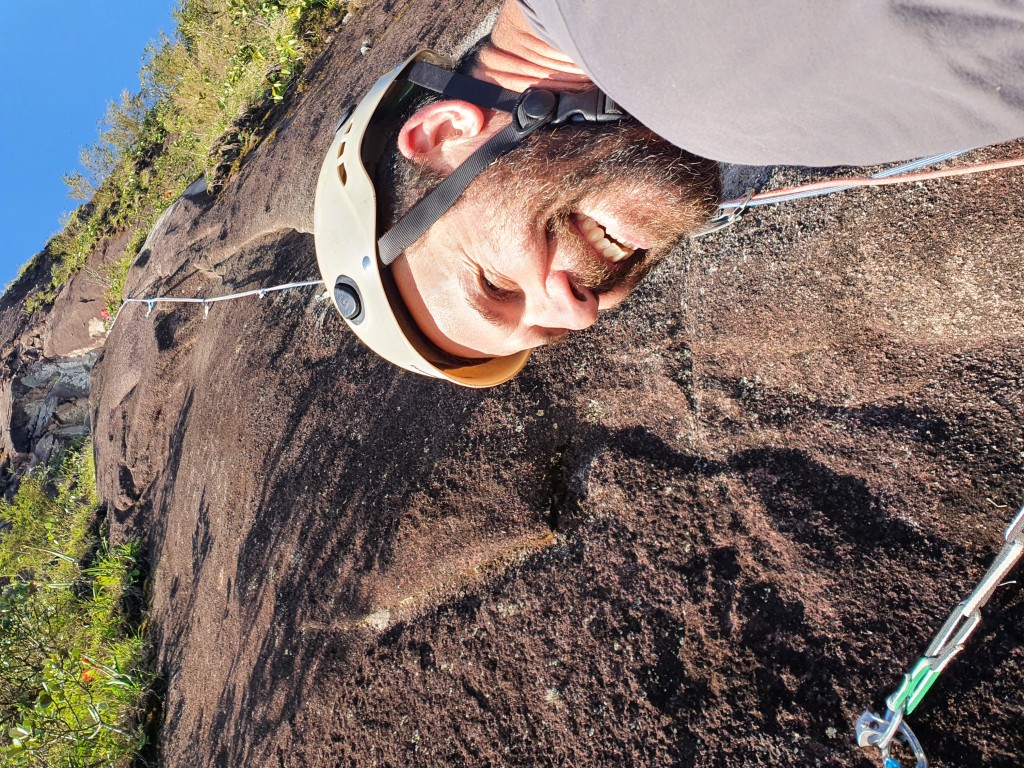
pixel 47 361
pixel 46 401
pixel 709 531
pixel 75 326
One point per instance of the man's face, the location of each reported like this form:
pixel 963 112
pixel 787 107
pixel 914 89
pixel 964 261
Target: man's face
pixel 555 231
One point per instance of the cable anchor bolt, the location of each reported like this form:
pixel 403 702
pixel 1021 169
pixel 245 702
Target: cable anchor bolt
pixel 726 216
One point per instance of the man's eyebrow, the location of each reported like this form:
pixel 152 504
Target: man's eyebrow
pixel 554 336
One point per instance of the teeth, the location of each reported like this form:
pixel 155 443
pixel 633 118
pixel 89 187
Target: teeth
pixel 613 252
pixel 602 242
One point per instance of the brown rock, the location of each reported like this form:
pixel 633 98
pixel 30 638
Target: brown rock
pixel 74 325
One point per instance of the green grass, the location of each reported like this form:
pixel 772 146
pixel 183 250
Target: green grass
pixel 75 669
pixel 206 93
pixel 117 273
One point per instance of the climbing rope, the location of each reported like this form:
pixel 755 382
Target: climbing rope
pixel 261 292
pixel 732 211
pixel 880 732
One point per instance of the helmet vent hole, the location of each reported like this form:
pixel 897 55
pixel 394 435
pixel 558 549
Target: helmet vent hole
pixel 342 174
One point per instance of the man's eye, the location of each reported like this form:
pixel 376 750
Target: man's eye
pixel 495 292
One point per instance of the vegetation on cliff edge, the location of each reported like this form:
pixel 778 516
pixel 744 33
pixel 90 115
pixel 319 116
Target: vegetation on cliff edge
pixel 75 668
pixel 205 96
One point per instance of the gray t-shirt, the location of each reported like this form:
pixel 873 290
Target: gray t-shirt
pixel 803 82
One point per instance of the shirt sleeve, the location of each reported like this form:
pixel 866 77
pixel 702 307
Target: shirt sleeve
pixel 852 82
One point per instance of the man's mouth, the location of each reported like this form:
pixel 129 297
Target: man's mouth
pixel 610 244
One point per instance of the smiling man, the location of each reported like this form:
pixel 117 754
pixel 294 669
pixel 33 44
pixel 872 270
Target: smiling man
pixel 510 221
pixel 552 232
pixel 549 235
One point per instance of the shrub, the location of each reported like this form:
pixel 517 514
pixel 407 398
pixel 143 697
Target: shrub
pixel 74 665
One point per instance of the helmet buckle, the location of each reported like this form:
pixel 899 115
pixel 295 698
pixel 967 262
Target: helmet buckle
pixel 590 106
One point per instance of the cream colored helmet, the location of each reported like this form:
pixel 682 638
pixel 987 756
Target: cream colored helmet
pixel 345 228
pixel 353 254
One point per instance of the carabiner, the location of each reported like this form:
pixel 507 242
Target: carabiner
pixel 879 732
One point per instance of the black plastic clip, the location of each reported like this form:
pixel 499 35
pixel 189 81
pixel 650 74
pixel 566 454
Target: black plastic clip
pixel 538 107
pixel 590 106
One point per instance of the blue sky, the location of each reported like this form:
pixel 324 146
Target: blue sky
pixel 62 61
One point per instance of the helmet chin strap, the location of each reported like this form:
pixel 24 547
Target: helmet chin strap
pixel 532 109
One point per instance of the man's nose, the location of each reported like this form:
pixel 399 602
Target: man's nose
pixel 562 304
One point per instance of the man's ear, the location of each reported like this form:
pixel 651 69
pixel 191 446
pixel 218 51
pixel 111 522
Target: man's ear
pixel 445 133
